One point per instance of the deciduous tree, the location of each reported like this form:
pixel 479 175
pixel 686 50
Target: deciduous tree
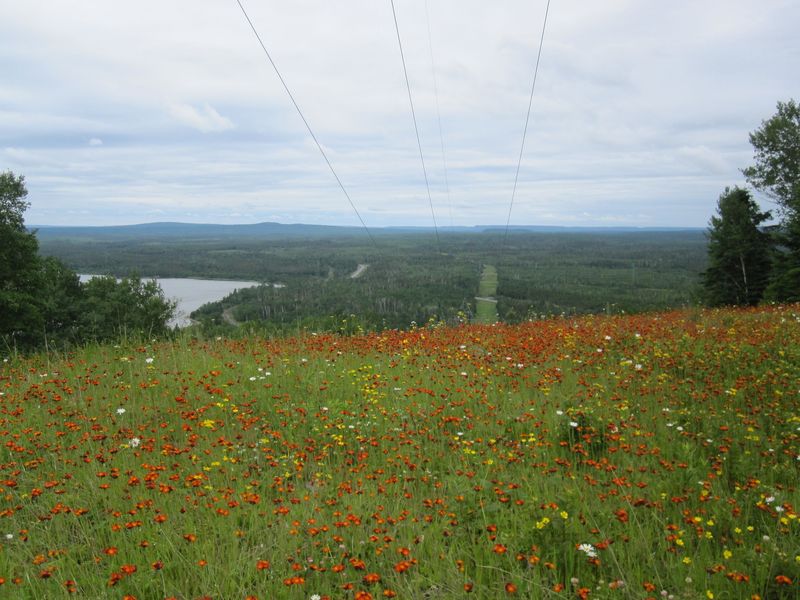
pixel 777 173
pixel 21 321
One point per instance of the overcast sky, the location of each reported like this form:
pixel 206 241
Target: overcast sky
pixel 129 112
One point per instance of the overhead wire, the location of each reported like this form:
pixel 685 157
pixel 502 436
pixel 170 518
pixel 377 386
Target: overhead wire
pixel 305 122
pixel 527 119
pixel 438 114
pixel 416 128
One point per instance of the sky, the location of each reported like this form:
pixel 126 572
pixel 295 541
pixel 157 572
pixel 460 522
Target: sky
pixel 134 112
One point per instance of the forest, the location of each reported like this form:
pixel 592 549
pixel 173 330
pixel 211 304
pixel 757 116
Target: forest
pixel 410 277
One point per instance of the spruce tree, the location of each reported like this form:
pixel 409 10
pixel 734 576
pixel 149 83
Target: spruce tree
pixel 739 252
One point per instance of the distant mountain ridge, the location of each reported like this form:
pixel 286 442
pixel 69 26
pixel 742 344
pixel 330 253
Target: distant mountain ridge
pixel 299 230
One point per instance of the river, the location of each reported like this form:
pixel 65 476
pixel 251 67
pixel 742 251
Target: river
pixel 191 294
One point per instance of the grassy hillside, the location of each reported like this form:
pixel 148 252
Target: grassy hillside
pixel 595 457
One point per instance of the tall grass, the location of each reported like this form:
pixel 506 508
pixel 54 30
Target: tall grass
pixel 603 457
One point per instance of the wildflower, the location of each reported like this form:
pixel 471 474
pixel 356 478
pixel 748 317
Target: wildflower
pixel 589 550
pixel 120 411
pixel 149 360
pixel 134 442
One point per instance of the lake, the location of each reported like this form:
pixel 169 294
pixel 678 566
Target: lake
pixel 191 294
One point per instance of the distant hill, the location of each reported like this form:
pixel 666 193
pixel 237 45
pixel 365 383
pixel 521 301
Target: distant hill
pixel 273 230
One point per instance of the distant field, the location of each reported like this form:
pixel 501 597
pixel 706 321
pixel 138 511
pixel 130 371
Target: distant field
pixel 485 302
pixel 615 457
pixel 410 278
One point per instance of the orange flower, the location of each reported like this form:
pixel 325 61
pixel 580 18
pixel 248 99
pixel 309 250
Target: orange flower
pixel 262 564
pixel 371 578
pixel 511 588
pixel 403 566
pixel 358 564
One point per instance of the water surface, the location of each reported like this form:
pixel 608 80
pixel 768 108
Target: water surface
pixel 191 294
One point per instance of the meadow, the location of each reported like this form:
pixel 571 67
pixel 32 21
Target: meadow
pixel 646 456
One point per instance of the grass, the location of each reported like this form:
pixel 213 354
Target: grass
pixel 486 303
pixel 596 457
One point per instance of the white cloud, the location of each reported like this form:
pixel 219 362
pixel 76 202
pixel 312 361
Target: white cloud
pixel 95 142
pixel 205 119
pixel 640 108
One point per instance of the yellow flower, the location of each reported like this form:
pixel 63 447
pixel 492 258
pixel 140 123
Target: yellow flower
pixel 687 560
pixel 727 554
pixel 709 594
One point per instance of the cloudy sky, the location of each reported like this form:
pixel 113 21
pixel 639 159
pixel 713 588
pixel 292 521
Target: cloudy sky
pixel 130 112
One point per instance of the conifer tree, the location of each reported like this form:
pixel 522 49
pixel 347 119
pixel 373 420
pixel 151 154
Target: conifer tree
pixel 739 252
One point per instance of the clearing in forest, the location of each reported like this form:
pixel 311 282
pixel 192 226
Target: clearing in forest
pixel 485 302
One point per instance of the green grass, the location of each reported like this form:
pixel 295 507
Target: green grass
pixel 620 457
pixel 485 303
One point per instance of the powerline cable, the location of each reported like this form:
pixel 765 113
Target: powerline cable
pixel 438 114
pixel 527 119
pixel 310 131
pixel 416 129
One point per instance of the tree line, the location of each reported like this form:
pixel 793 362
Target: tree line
pixel 750 262
pixel 43 303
